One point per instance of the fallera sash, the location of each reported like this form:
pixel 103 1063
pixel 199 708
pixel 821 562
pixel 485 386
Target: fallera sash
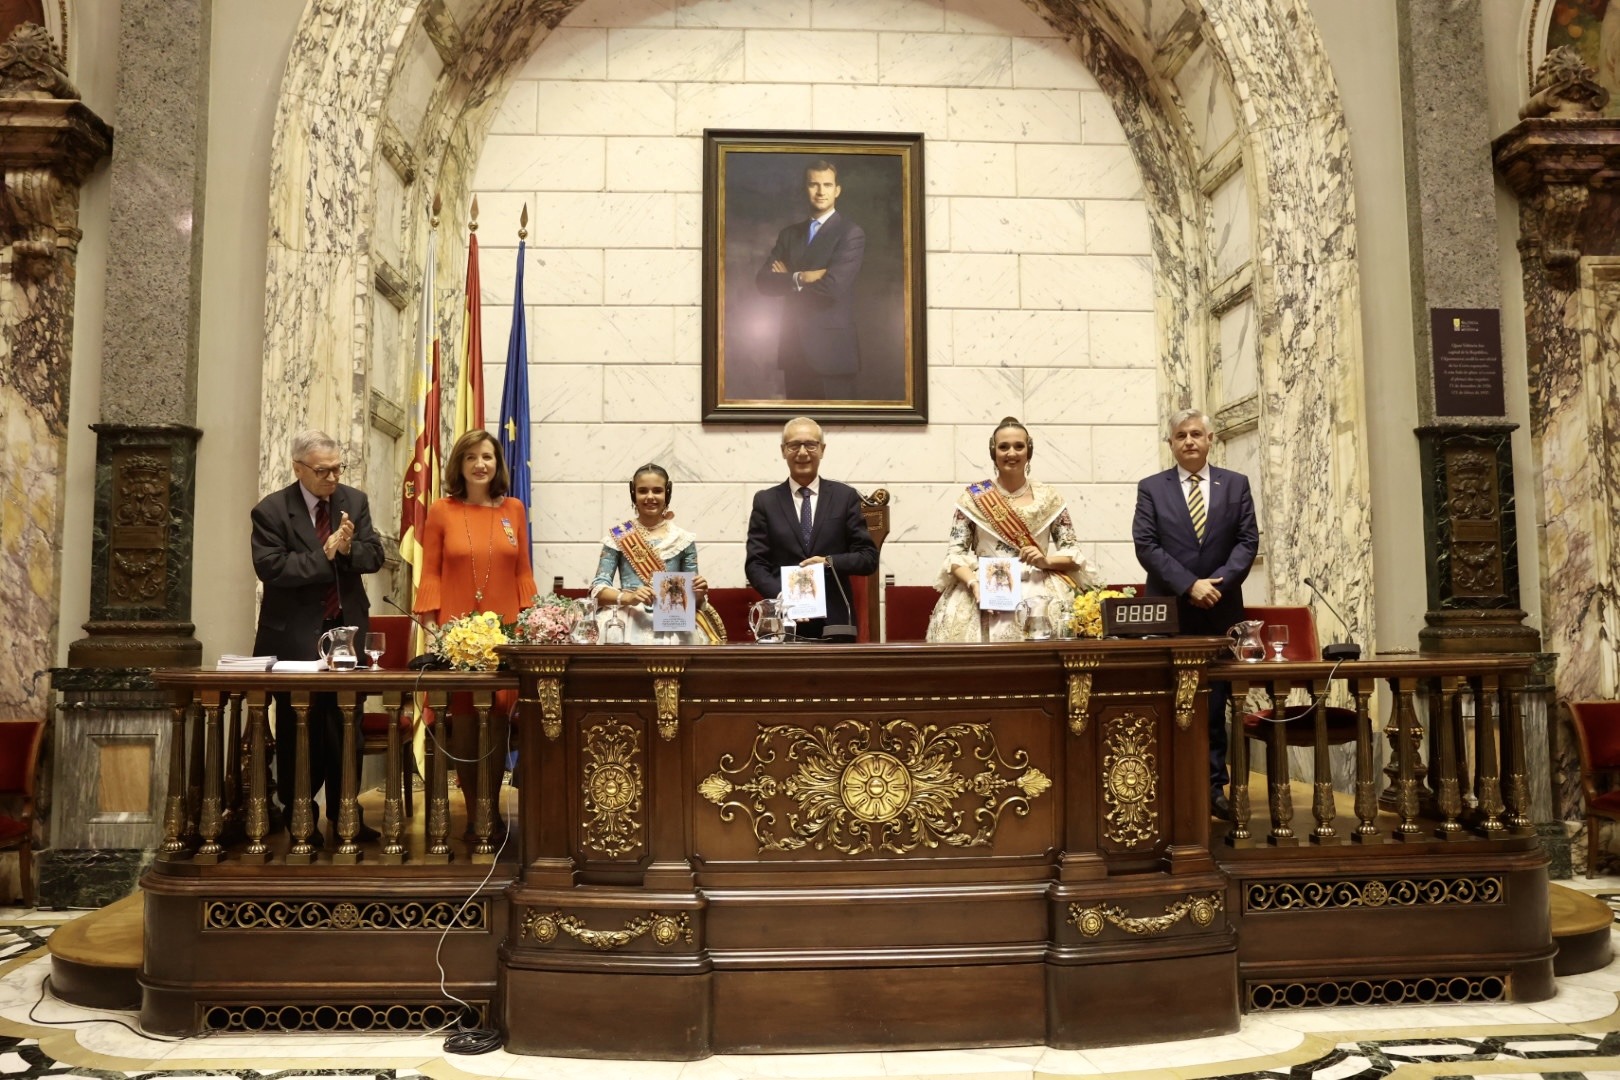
pixel 999 514
pixel 639 553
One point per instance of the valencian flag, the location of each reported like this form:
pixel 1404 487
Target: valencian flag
pixel 421 483
pixel 514 432
pixel 470 377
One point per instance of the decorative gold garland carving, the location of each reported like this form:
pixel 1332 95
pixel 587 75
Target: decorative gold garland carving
pixel 1379 892
pixel 611 786
pixel 667 696
pixel 1080 669
pixel 430 915
pixel 1130 780
pixel 666 930
pixel 1186 694
pixel 1090 921
pixel 854 798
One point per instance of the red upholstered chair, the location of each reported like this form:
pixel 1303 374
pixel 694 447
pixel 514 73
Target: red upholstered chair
pixel 1597 731
pixel 1302 645
pixel 19 758
pixel 909 607
pixel 374 725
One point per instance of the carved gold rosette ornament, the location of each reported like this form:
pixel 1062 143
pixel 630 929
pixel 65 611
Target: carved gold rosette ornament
pixel 1091 921
pixel 611 789
pixel 666 930
pixel 1130 779
pixel 841 792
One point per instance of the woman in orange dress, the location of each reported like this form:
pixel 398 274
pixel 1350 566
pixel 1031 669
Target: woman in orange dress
pixel 475 558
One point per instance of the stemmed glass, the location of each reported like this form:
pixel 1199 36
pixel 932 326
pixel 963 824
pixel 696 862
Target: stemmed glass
pixel 1277 638
pixel 376 644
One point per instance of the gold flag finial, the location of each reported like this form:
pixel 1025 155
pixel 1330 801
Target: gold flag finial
pixel 438 204
pixel 523 223
pixel 472 225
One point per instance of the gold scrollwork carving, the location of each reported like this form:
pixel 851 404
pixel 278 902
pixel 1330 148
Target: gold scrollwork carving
pixel 611 783
pixel 550 696
pixel 1375 893
pixel 430 915
pixel 1202 910
pixel 667 694
pixel 1186 694
pixel 1080 669
pixel 855 798
pixel 1130 780
pixel 666 930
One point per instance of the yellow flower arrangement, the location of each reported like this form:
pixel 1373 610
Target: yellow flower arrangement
pixel 469 641
pixel 1085 617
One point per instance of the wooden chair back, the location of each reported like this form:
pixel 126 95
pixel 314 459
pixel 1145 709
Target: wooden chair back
pixel 1597 736
pixel 20 741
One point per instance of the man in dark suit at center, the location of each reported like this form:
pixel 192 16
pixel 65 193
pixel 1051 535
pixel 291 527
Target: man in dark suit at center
pixel 1196 536
pixel 806 520
pixel 312 541
pixel 813 268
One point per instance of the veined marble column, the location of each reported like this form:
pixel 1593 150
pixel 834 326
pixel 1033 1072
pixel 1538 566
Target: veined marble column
pixel 49 142
pixel 1561 160
pixel 140 574
pixel 1473 573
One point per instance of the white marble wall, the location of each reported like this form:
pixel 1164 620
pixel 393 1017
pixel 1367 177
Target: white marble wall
pixel 1040 273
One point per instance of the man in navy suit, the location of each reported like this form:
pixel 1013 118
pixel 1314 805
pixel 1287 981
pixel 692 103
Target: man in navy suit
pixel 828 511
pixel 1196 537
pixel 312 540
pixel 813 267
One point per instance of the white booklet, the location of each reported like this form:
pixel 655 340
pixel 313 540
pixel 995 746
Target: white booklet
pixel 298 666
pixel 804 592
pixel 1001 583
pixel 238 662
pixel 674 601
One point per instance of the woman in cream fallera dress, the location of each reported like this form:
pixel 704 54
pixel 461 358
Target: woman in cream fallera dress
pixel 1055 552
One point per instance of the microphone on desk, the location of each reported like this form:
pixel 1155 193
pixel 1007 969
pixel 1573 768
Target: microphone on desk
pixel 428 661
pixel 1338 650
pixel 839 630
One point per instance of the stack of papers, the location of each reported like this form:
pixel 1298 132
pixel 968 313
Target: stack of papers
pixel 298 665
pixel 233 662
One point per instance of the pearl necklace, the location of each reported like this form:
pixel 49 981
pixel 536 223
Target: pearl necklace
pixel 1013 494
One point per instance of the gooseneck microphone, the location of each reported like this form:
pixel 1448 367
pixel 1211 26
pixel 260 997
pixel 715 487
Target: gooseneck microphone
pixel 1338 650
pixel 839 630
pixel 429 660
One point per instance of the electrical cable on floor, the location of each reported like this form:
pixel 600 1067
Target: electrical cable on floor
pixel 45 985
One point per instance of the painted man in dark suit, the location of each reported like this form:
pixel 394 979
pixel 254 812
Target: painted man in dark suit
pixel 831 514
pixel 311 542
pixel 813 268
pixel 1196 537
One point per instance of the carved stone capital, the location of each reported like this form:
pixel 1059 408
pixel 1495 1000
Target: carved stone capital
pixel 1565 87
pixel 30 65
pixel 1554 165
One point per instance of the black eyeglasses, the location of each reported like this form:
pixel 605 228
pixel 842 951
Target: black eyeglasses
pixel 325 472
pixel 806 445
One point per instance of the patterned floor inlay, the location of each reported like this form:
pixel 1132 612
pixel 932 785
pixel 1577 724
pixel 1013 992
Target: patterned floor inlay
pixel 1369 1060
pixel 18 941
pixel 22 1059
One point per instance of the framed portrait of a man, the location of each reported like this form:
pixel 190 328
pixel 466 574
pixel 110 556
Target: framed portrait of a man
pixel 813 290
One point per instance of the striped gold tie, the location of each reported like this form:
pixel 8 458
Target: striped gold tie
pixel 1195 504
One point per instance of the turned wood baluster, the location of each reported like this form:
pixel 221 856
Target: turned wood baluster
pixel 348 822
pixel 1406 782
pixel 1488 781
pixel 231 808
pixel 484 803
pixel 1321 768
pixel 174 803
pixel 1282 796
pixel 209 820
pixel 1517 794
pixel 393 824
pixel 1366 780
pixel 258 797
pixel 438 793
pixel 302 814
pixel 1443 770
pixel 1238 758
pixel 194 776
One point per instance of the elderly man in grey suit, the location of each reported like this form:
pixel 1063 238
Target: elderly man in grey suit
pixel 1196 536
pixel 312 541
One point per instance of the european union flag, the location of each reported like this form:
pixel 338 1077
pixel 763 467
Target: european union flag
pixel 514 431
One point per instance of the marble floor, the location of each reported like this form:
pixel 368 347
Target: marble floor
pixel 1575 1034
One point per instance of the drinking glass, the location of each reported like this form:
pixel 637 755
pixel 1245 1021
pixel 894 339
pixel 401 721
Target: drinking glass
pixel 1277 638
pixel 376 644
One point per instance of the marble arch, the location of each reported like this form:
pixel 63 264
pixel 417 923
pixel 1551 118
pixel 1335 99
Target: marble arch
pixel 347 99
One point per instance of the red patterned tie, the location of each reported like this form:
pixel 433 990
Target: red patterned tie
pixel 323 532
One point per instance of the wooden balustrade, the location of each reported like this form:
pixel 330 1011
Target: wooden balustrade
pixel 1470 784
pixel 218 805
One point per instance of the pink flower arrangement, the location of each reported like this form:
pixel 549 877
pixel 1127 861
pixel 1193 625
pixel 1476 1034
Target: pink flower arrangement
pixel 547 621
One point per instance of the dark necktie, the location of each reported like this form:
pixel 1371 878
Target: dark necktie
pixel 1195 504
pixel 804 517
pixel 323 532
